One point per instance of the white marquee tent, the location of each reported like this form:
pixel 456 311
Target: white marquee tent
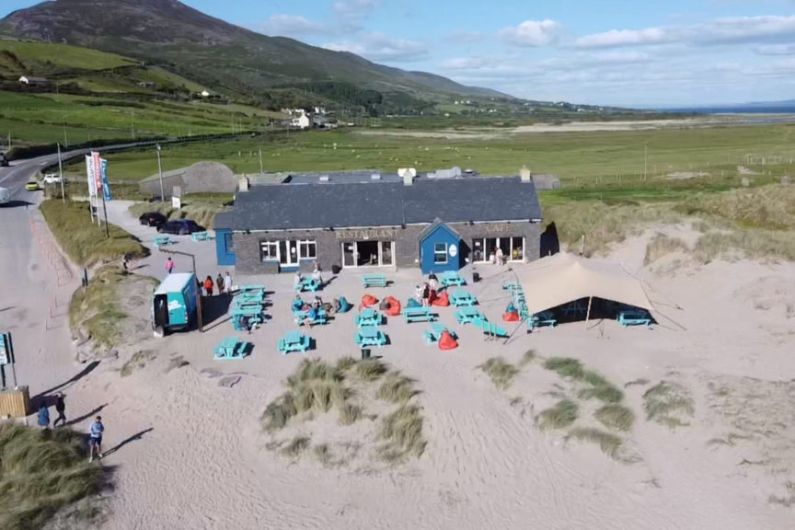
pixel 562 278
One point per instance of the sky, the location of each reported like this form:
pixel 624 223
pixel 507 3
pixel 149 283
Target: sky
pixel 605 52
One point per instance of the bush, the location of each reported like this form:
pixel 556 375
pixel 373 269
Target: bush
pixel 606 393
pixel 563 414
pixel 40 473
pixel 663 245
pixel 500 372
pixel 279 412
pixel 614 416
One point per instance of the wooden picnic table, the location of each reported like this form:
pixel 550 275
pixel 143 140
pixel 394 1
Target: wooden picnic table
pixel 451 278
pixel 370 336
pixel 251 297
pixel 368 317
pixel 307 284
pixel 250 310
pixel 467 315
pixel 460 298
pixel 374 280
pixel 252 287
pixel 293 341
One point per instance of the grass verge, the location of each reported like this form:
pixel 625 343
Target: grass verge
pixel 85 243
pixel 40 473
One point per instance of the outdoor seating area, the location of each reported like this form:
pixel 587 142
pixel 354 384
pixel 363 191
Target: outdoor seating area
pixel 161 241
pixel 294 341
pixel 370 336
pixel 201 236
pixel 462 298
pixel 247 310
pixel 374 280
pixel 419 314
pixel 451 279
pixel 369 317
pixel 308 284
pixel 230 349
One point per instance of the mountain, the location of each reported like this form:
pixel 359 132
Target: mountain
pixel 228 58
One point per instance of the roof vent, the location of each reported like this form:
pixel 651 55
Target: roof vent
pixel 323 178
pixel 375 176
pixel 407 174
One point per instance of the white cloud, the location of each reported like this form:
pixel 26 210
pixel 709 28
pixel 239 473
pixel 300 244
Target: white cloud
pixel 355 8
pixel 623 37
pixel 532 33
pixel 290 25
pixel 621 57
pixel 776 49
pixel 380 47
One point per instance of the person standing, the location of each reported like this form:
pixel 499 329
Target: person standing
pixel 219 282
pixel 60 408
pixel 44 416
pixel 170 265
pixel 208 285
pixel 228 282
pixel 95 438
pixel 426 293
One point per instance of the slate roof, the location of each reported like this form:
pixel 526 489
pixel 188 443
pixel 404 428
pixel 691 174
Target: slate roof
pixel 342 205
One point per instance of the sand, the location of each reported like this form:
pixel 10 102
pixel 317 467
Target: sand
pixel 193 454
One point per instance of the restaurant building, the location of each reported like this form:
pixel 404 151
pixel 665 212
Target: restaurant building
pixel 437 222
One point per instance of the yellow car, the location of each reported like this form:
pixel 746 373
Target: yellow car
pixel 33 186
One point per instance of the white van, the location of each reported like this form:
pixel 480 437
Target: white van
pixel 5 195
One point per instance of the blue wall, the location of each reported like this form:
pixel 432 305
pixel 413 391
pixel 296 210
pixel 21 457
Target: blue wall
pixel 224 250
pixel 440 235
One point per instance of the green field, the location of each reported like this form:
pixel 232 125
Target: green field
pixel 610 161
pixel 42 58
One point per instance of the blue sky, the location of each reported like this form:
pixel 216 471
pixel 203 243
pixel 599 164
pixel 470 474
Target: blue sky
pixel 622 52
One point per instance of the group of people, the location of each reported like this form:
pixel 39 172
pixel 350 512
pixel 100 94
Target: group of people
pixel 316 276
pixel 426 293
pixel 222 283
pixel 95 430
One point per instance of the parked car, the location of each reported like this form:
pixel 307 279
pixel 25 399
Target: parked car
pixel 33 185
pixel 155 219
pixel 180 226
pixel 52 178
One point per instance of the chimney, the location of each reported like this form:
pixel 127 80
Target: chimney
pixel 408 174
pixel 525 174
pixel 242 183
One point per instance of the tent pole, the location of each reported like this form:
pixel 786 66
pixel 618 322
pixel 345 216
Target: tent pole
pixel 588 313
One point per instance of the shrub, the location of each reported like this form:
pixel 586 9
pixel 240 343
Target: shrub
pixel 563 414
pixel 528 357
pixel 279 412
pixel 614 416
pixel 606 393
pixel 500 372
pixel 662 245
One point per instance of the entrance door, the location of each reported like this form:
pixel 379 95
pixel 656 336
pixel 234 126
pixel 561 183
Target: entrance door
pixel 368 254
pixel 288 253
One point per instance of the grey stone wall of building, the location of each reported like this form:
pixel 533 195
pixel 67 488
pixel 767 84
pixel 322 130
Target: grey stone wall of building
pixel 407 244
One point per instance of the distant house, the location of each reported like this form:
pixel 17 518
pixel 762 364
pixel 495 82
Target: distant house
pixel 303 121
pixel 33 81
pixel 147 84
pixel 204 94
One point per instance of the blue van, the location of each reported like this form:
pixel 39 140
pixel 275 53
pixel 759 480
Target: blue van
pixel 174 304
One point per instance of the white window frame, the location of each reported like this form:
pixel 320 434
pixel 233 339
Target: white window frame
pixel 437 252
pixel 303 245
pixel 273 255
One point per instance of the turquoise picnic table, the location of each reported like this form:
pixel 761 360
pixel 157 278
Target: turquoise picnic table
pixel 302 316
pixel 201 236
pixel 451 278
pixel 433 334
pixel 418 314
pixel 461 298
pixel 467 315
pixel 374 280
pixel 249 310
pixel 230 348
pixel 370 336
pixel 250 297
pixel 161 241
pixel 252 287
pixel 294 341
pixel 307 284
pixel 544 318
pixel 634 317
pixel 368 317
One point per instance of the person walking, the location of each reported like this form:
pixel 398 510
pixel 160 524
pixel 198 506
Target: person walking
pixel 219 282
pixel 208 285
pixel 170 265
pixel 228 282
pixel 95 438
pixel 44 416
pixel 60 408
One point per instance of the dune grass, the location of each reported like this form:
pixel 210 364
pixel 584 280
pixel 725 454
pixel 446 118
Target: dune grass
pixel 561 415
pixel 596 386
pixel 396 389
pixel 85 243
pixel 615 416
pixel 370 369
pixel 662 245
pixel 565 367
pixel 296 447
pixel 402 433
pixel 609 443
pixel 40 473
pixel 500 371
pixel 668 403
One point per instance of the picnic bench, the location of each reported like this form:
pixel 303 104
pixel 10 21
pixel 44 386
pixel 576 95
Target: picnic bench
pixel 451 278
pixel 251 288
pixel 489 328
pixel 634 318
pixel 201 236
pixel 294 341
pixel 370 336
pixel 433 335
pixel 419 314
pixel 461 298
pixel 249 297
pixel 307 284
pixel 509 285
pixel 307 316
pixel 374 280
pixel 229 349
pixel 368 317
pixel 467 315
pixel 161 241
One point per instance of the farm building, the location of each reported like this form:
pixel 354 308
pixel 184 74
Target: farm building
pixel 367 220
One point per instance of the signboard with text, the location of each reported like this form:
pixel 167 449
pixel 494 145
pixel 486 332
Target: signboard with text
pixel 6 349
pixel 97 174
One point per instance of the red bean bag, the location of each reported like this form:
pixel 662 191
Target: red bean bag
pixel 441 300
pixel 392 306
pixel 447 342
pixel 511 316
pixel 368 300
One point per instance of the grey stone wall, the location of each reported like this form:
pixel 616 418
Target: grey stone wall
pixel 407 246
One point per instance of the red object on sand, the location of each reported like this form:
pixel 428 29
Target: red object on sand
pixel 369 300
pixel 393 306
pixel 447 342
pixel 512 316
pixel 441 300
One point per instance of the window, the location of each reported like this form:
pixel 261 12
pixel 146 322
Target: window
pixel 269 251
pixel 517 248
pixel 440 253
pixel 229 242
pixel 307 249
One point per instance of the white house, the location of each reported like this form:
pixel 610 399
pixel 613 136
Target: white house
pixel 204 94
pixel 303 121
pixel 30 80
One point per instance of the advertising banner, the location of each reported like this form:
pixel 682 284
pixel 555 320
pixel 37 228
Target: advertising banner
pixel 92 188
pixel 104 179
pixel 97 173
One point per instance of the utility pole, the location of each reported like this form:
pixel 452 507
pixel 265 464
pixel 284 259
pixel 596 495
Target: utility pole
pixel 160 173
pixel 645 160
pixel 9 140
pixel 261 170
pixel 199 316
pixel 60 175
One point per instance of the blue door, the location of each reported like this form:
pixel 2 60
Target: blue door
pixel 224 247
pixel 440 249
